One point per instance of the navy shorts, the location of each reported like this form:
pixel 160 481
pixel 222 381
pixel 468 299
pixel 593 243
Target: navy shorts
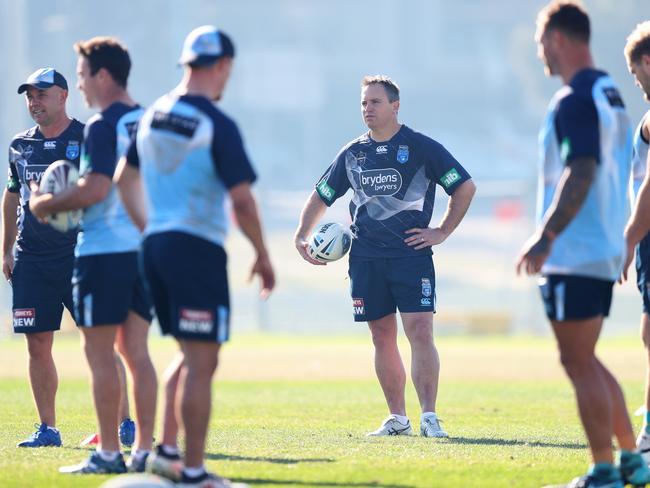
pixel 106 286
pixel 382 285
pixel 187 279
pixel 569 297
pixel 643 271
pixel 40 290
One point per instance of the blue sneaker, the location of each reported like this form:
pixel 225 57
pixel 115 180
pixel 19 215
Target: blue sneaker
pixel 633 468
pixel 589 481
pixel 43 437
pixel 95 464
pixel 127 432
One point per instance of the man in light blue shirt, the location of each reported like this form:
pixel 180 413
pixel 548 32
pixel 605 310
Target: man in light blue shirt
pixel 586 145
pixel 110 301
pixel 637 54
pixel 189 157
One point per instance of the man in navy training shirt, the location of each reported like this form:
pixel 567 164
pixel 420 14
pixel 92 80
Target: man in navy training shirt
pixel 393 172
pixel 41 271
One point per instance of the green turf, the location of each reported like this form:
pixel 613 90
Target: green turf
pixel 312 434
pixel 306 433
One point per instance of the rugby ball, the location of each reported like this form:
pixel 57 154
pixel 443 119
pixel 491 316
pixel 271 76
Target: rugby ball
pixel 330 242
pixel 57 177
pixel 138 481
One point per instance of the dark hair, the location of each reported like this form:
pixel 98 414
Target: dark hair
pixel 392 90
pixel 638 43
pixel 107 53
pixel 567 16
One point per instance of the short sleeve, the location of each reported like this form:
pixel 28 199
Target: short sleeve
pixel 443 168
pixel 577 128
pixel 100 148
pixel 334 183
pixel 230 158
pixel 13 181
pixel 132 156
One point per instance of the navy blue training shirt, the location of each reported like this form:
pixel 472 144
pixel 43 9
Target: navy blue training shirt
pixel 394 184
pixel 30 153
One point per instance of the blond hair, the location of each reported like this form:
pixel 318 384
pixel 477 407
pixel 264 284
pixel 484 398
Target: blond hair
pixel 638 43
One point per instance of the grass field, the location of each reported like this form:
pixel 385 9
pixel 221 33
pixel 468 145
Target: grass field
pixel 293 412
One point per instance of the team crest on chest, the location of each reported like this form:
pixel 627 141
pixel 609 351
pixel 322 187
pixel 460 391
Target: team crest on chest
pixel 72 151
pixel 402 154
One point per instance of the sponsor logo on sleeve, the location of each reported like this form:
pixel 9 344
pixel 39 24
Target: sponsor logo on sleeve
pixel 24 317
pixel 565 149
pixel 49 145
pixel 381 182
pixel 72 150
pixel 325 191
pixel 402 154
pixel 196 321
pixel 449 178
pixel 357 306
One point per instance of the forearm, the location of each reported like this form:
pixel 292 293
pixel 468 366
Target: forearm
pixel 571 194
pixel 129 184
pixel 89 190
pixel 10 202
pixel 639 224
pixel 249 223
pixel 311 213
pixel 457 207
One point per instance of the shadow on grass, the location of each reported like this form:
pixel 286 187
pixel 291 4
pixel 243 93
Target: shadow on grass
pixel 489 441
pixel 370 484
pixel 234 457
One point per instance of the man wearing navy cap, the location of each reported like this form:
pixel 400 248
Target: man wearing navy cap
pixel 40 270
pixel 191 157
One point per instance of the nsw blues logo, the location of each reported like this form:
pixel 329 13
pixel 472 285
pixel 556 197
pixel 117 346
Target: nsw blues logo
pixel 427 291
pixel 72 151
pixel 402 154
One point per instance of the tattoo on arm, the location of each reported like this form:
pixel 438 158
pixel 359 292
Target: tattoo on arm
pixel 571 194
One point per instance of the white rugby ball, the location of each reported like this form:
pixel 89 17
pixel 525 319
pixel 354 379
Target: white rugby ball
pixel 329 242
pixel 138 481
pixel 57 177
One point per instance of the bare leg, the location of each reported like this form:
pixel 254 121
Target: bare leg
pixel 200 363
pixel 170 421
pixel 42 375
pixel 621 424
pixel 645 336
pixel 124 391
pixel 600 401
pixel 100 353
pixel 132 340
pixel 388 362
pixel 425 362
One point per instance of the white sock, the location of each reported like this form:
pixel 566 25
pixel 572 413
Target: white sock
pixel 402 419
pixel 194 472
pixel 170 450
pixel 49 427
pixel 139 454
pixel 428 414
pixel 108 456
